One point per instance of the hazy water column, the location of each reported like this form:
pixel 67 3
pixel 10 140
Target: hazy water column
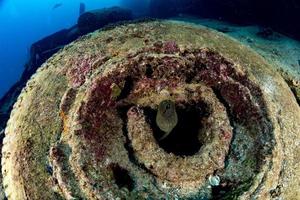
pixel 24 22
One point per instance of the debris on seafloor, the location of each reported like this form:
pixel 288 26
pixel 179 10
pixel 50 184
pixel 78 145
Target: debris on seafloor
pixel 214 180
pixel 95 19
pixel 85 125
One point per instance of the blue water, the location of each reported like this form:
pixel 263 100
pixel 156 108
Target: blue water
pixel 23 22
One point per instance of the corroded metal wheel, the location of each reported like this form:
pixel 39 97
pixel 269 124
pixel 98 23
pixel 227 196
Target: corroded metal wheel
pixel 84 127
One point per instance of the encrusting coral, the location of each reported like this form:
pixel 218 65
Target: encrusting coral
pixel 85 126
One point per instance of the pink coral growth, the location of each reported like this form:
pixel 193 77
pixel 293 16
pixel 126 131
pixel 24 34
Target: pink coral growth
pixel 170 47
pixel 79 70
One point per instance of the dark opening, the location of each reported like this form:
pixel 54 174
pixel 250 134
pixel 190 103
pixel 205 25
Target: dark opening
pixel 295 95
pixel 127 88
pixel 189 77
pixel 122 177
pixel 183 140
pixel 149 71
pixel 230 190
pixel 49 169
pixel 219 192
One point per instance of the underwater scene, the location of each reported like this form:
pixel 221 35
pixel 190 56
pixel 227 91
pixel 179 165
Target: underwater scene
pixel 150 99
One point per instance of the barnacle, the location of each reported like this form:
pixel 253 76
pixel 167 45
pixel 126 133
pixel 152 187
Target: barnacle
pixel 85 125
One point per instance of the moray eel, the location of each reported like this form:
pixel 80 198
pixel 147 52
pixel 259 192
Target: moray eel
pixel 166 117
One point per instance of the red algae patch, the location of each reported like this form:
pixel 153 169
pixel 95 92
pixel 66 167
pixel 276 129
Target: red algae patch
pixel 86 126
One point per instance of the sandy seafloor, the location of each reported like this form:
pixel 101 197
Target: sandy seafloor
pixel 279 50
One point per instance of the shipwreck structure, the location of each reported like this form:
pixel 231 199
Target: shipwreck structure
pixel 85 125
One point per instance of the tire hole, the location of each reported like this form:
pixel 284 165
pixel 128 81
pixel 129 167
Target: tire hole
pixel 183 139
